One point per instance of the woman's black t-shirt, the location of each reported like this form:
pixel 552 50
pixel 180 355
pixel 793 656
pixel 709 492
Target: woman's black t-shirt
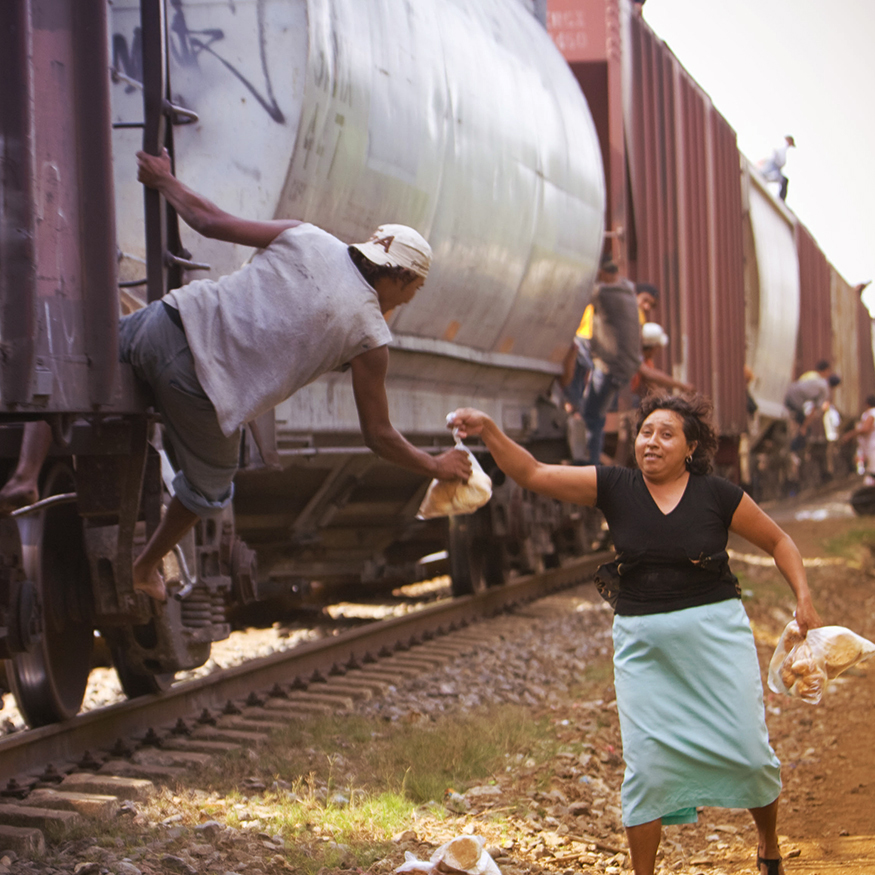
pixel 669 561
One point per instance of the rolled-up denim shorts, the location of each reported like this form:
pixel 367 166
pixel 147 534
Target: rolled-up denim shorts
pixel 158 350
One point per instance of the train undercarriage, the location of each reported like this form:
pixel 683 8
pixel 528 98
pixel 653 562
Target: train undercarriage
pixel 67 559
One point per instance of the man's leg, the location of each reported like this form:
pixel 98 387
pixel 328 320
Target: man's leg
pixel 157 348
pixel 784 184
pixel 177 520
pixel 596 401
pixel 22 488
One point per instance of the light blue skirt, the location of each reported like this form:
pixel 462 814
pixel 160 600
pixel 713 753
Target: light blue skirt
pixel 691 711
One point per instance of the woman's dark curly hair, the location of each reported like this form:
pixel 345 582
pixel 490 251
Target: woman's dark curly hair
pixel 695 411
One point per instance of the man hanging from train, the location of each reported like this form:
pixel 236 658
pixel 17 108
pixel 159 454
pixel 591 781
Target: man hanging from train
pixel 217 354
pixel 615 347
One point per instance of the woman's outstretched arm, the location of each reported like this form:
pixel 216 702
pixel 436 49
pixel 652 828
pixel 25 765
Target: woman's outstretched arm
pixel 572 483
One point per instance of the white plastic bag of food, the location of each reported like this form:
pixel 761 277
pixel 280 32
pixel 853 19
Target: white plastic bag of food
pixel 449 497
pixel 463 854
pixel 802 666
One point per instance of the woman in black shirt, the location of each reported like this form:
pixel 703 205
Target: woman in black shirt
pixel 688 684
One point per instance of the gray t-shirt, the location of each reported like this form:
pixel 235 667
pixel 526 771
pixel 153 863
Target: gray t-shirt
pixel 298 309
pixel 813 389
pixel 616 330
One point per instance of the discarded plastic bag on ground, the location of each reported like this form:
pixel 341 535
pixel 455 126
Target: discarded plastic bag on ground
pixel 464 854
pixel 802 666
pixel 449 497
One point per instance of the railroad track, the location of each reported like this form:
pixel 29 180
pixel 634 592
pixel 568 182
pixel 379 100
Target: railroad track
pixel 63 771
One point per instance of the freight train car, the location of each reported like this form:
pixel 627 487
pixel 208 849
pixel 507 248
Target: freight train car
pixel 459 119
pixel 743 283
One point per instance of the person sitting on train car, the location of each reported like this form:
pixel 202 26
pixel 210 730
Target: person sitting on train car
pixel 218 353
pixel 686 674
pixel 616 351
pixel 773 167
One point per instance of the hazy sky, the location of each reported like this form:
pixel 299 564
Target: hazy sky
pixel 800 67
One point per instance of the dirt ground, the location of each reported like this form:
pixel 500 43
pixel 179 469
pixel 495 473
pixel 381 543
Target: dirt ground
pixel 827 816
pixel 828 804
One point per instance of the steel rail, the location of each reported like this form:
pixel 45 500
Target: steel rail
pixel 27 753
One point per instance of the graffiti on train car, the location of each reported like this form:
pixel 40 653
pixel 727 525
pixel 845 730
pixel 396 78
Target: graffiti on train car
pixel 187 44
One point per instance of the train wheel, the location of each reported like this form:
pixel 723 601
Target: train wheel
pixel 135 681
pixel 477 560
pixel 528 559
pixel 49 682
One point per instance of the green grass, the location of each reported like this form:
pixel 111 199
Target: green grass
pixel 338 788
pixel 853 541
pixel 417 761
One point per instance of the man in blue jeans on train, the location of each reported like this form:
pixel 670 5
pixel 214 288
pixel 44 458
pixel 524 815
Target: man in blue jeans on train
pixel 218 353
pixel 615 348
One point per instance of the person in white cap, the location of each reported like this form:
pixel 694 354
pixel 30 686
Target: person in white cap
pixel 218 353
pixel 649 376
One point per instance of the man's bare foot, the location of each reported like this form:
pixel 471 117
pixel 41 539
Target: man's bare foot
pixel 16 494
pixel 151 585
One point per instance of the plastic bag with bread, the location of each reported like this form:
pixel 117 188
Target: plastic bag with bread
pixel 450 497
pixel 801 666
pixel 464 855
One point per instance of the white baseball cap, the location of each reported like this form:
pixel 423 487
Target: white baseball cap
pixel 653 335
pixel 397 246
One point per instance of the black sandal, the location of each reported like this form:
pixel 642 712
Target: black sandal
pixel 770 864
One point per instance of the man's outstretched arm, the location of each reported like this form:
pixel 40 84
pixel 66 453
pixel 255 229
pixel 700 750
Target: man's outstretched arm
pixel 369 387
pixel 202 214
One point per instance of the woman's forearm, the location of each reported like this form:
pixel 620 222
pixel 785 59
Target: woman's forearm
pixel 517 462
pixel 564 482
pixel 789 562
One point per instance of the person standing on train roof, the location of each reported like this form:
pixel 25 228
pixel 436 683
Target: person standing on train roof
pixel 218 353
pixel 773 168
pixel 615 347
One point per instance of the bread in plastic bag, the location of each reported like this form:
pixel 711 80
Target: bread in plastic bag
pixel 450 497
pixel 462 854
pixel 801 666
